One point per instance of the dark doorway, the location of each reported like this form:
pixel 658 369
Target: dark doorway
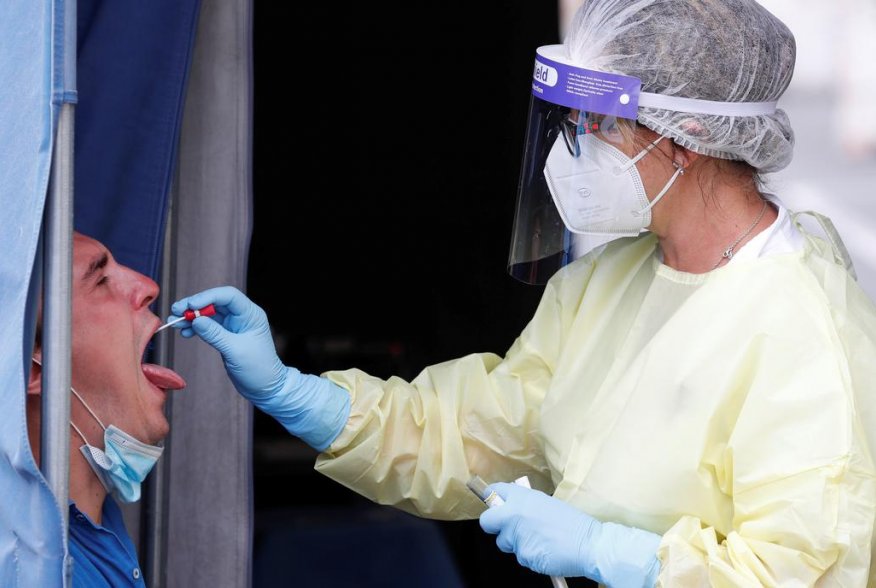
pixel 393 258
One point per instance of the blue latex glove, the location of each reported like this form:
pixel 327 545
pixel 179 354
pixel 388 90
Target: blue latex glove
pixel 554 538
pixel 312 408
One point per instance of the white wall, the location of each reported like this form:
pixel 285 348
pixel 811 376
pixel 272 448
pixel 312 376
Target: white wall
pixel 831 103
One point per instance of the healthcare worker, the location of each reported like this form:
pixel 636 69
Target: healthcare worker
pixel 694 401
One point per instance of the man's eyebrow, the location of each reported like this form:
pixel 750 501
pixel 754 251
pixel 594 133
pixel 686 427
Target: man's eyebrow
pixel 96 265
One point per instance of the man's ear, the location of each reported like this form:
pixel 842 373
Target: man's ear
pixel 35 381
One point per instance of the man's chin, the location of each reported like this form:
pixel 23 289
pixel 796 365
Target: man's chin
pixel 163 430
pixel 158 430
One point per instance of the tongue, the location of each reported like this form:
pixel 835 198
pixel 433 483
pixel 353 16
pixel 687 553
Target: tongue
pixel 162 377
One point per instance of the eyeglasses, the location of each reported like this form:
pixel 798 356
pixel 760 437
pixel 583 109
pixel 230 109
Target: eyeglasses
pixel 571 128
pixel 577 123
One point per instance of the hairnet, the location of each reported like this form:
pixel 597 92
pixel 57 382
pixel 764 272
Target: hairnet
pixel 717 50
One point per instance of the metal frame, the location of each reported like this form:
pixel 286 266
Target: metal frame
pixel 57 283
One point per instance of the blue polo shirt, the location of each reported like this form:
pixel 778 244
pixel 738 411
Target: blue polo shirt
pixel 103 555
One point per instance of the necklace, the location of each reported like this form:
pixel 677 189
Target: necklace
pixel 728 253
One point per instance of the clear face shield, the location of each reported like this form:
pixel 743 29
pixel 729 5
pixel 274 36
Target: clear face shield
pixel 575 169
pixel 579 186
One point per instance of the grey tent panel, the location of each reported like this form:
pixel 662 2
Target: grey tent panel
pixel 209 504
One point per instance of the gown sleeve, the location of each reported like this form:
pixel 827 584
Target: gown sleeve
pixel 415 444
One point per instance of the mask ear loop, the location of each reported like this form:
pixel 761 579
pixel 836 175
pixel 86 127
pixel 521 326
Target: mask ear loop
pixel 91 412
pixel 78 432
pixel 637 158
pixel 679 171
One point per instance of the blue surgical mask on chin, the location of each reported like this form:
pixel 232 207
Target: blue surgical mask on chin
pixel 123 463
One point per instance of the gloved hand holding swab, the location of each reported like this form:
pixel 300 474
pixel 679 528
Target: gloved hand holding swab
pixel 190 315
pixel 491 499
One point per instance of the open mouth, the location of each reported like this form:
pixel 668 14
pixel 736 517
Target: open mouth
pixel 159 376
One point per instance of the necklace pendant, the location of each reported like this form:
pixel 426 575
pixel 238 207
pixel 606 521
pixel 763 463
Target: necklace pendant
pixel 728 253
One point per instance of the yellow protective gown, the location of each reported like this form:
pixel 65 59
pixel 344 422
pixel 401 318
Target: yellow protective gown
pixel 733 413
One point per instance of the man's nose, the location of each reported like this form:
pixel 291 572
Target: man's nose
pixel 143 290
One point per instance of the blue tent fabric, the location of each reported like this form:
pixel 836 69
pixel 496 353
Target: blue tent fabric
pixel 31 550
pixel 133 63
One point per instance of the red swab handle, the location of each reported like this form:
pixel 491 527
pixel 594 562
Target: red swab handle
pixel 191 315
